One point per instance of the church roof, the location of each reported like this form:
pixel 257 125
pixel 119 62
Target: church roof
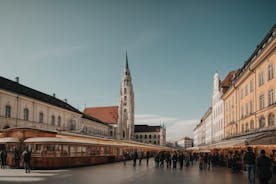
pixel 17 88
pixel 105 114
pixel 146 128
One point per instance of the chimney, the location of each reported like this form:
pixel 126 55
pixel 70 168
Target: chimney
pixel 17 79
pixel 54 95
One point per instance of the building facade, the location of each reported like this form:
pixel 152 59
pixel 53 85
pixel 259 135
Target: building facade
pixel 21 106
pixel 150 134
pixel 250 102
pixel 185 142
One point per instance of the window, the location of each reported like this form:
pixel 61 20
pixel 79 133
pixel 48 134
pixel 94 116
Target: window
pixel 246 109
pixel 141 137
pixel 125 98
pixel 26 114
pixel 261 122
pixel 150 136
pixel 252 124
pixel 154 142
pixel 53 119
pixel 261 78
pixel 270 72
pixel 136 136
pixel 246 90
pixel 154 136
pixel 251 107
pixel 72 125
pixel 41 116
pixel 241 94
pixel 246 127
pixel 146 136
pixel 242 129
pixel 241 111
pixel 59 121
pixel 251 86
pixel 8 111
pixel 261 101
pixel 271 119
pixel 125 90
pixel 270 97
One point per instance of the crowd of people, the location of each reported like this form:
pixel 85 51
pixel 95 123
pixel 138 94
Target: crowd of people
pixel 25 157
pixel 255 164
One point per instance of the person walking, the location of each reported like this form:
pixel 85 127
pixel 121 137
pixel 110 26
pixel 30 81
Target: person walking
pixel 124 157
pixel 147 157
pixel 264 168
pixel 174 160
pixel 3 156
pixel 16 158
pixel 140 156
pixel 134 157
pixel 181 160
pixel 27 160
pixel 249 161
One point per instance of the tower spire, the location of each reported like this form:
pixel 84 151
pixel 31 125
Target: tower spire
pixel 126 62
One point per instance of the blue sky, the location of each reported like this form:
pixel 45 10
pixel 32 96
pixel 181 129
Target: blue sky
pixel 76 49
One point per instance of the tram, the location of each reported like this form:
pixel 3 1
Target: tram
pixel 52 150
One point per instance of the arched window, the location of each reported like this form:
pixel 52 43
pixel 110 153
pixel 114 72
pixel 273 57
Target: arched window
pixel 72 125
pixel 26 114
pixel 246 127
pixel 150 136
pixel 41 117
pixel 53 119
pixel 59 121
pixel 270 72
pixel 270 97
pixel 141 137
pixel 261 122
pixel 146 136
pixel 124 134
pixel 8 111
pixel 154 136
pixel 271 119
pixel 154 142
pixel 252 124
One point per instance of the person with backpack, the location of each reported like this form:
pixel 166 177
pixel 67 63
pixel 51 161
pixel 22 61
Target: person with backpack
pixel 249 160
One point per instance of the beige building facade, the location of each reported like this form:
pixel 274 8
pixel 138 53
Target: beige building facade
pixel 21 106
pixel 250 102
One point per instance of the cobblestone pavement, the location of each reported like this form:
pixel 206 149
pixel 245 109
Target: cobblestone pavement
pixel 117 173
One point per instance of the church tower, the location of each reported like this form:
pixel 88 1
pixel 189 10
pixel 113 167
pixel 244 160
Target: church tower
pixel 125 129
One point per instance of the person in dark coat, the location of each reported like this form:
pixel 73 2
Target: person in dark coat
pixel 16 158
pixel 27 160
pixel 181 160
pixel 135 156
pixel 264 168
pixel 147 157
pixel 249 160
pixel 174 160
pixel 3 156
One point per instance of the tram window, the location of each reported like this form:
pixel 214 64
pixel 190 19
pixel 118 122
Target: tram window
pixel 37 147
pixel 58 148
pixel 50 147
pixel 65 149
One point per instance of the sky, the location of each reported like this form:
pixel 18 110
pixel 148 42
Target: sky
pixel 76 49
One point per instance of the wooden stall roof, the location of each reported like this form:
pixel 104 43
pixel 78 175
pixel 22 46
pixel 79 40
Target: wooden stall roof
pixel 9 140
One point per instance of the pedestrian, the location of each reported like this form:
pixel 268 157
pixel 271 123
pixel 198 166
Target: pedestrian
pixel 181 160
pixel 168 159
pixel 249 160
pixel 273 159
pixel 27 160
pixel 201 162
pixel 147 157
pixel 174 160
pixel 140 156
pixel 124 157
pixel 162 158
pixel 16 158
pixel 156 159
pixel 3 156
pixel 134 157
pixel 264 168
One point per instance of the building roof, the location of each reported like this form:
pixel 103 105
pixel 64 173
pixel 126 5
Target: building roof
pixel 227 81
pixel 15 87
pixel 146 128
pixel 256 52
pixel 105 114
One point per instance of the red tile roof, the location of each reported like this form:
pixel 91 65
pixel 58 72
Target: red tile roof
pixel 226 83
pixel 105 114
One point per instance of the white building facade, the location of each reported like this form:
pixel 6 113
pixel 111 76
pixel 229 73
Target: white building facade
pixel 218 110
